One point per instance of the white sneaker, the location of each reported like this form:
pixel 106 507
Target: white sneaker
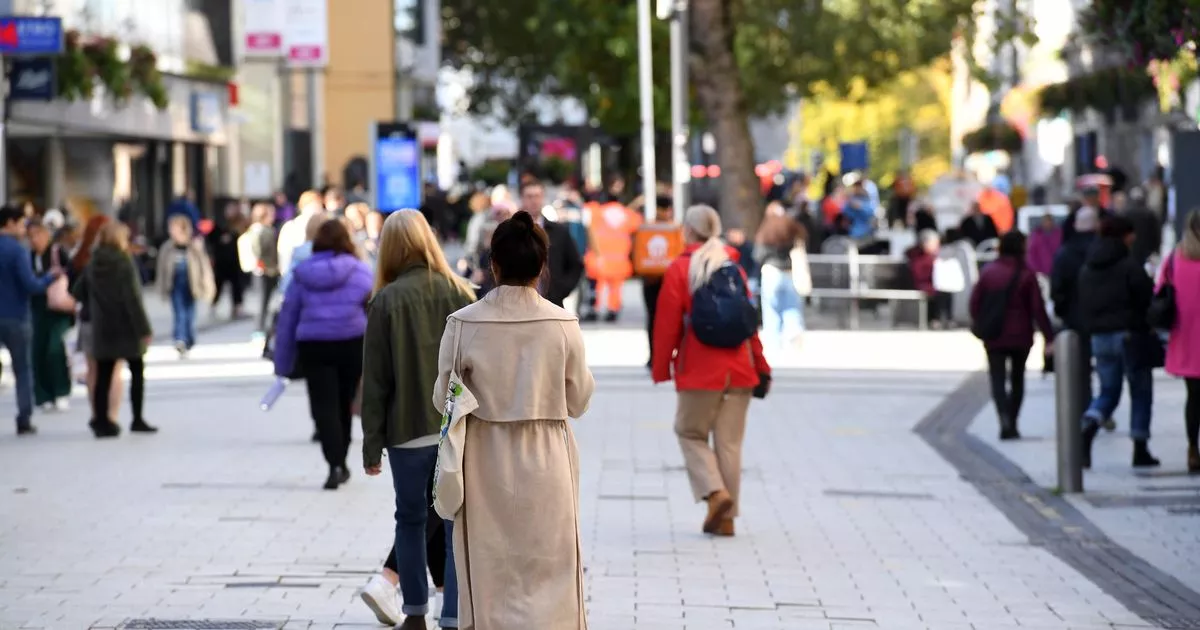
pixel 62 404
pixel 380 596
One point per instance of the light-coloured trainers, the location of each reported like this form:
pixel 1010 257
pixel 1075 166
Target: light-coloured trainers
pixel 380 596
pixel 62 404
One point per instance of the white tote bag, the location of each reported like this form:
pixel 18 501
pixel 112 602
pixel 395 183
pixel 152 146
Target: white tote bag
pixel 948 276
pixel 448 490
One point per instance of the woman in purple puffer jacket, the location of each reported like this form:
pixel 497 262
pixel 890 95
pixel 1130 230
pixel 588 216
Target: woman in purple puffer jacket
pixel 321 326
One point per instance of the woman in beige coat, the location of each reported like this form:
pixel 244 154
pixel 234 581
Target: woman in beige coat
pixel 516 540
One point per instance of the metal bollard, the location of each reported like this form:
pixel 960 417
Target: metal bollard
pixel 1068 386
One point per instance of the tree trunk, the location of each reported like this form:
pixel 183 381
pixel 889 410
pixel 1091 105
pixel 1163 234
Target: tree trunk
pixel 719 90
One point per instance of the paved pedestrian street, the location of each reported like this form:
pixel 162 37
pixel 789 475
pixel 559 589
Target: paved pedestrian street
pixel 861 507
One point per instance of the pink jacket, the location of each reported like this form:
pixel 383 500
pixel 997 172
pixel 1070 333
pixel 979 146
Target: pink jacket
pixel 1183 350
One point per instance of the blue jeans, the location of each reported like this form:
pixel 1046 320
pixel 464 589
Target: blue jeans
pixel 183 312
pixel 411 470
pixel 1117 360
pixel 782 307
pixel 17 336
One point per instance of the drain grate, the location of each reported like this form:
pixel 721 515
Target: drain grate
pixel 198 624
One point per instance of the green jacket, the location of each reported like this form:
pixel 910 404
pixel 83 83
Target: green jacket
pixel 405 321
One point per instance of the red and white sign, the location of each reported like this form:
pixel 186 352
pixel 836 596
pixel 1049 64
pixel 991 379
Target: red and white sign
pixel 306 35
pixel 263 22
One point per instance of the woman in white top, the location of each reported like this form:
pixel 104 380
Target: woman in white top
pixel 516 539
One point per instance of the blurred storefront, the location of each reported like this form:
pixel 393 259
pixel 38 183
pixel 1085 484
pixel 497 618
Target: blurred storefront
pixel 128 158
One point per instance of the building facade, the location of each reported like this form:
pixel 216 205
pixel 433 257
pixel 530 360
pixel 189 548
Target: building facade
pixel 129 157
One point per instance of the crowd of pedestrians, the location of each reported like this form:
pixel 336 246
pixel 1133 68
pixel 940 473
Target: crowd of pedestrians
pixel 1098 273
pixel 368 312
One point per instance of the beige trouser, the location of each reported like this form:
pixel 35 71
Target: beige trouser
pixel 723 415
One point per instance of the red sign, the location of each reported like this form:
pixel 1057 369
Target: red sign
pixel 304 54
pixel 267 42
pixel 8 34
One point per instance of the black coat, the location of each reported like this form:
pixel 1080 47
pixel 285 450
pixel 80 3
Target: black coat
pixel 1114 289
pixel 113 291
pixel 978 228
pixel 1147 233
pixel 1064 278
pixel 565 264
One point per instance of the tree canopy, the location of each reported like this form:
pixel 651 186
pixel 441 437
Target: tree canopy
pixel 1144 30
pixel 587 50
pixel 780 50
pixel 916 101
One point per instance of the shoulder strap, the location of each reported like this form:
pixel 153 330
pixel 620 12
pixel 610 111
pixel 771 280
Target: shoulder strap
pixel 457 339
pixel 1016 278
pixel 1169 271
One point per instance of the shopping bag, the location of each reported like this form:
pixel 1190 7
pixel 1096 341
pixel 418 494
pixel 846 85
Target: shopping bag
pixel 448 488
pixel 58 297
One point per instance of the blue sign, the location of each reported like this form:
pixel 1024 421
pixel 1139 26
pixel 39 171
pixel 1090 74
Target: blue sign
pixel 396 168
pixel 853 156
pixel 206 112
pixel 31 36
pixel 32 79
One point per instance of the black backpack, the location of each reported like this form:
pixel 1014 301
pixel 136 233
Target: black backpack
pixel 993 309
pixel 722 315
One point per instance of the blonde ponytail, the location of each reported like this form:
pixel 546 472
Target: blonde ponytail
pixel 705 223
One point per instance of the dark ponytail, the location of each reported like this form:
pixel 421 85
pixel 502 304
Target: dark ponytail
pixel 519 250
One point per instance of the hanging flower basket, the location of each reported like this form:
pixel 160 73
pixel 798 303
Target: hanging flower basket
pixel 86 63
pixel 995 137
pixel 1105 91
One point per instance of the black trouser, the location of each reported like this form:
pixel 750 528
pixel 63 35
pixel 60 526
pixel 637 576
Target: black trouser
pixel 941 307
pixel 1006 369
pixel 332 370
pixel 234 278
pixel 269 283
pixel 650 291
pixel 435 546
pixel 105 368
pixel 1191 411
pixel 1084 367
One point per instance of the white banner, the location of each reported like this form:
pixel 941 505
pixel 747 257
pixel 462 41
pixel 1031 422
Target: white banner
pixel 306 36
pixel 263 22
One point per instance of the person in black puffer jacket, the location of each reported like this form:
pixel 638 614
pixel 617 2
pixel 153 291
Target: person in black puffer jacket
pixel 1114 295
pixel 1064 293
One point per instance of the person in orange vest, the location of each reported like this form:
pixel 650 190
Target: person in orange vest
pixel 609 260
pixel 996 205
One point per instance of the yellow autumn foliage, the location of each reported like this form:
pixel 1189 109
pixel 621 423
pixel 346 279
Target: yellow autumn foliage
pixel 919 101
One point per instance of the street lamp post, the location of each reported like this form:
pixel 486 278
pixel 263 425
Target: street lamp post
pixel 681 169
pixel 646 88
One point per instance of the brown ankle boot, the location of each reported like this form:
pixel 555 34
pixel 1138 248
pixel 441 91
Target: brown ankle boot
pixel 1193 460
pixel 725 528
pixel 719 505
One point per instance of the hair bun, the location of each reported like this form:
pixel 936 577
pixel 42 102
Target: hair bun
pixel 523 219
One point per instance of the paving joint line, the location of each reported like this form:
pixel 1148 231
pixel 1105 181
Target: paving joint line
pixel 1049 520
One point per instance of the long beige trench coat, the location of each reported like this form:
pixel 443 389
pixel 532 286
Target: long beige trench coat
pixel 516 541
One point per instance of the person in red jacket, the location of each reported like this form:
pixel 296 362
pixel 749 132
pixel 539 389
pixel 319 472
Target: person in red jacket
pixel 1025 308
pixel 714 384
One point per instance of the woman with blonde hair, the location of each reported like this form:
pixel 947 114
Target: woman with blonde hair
pixel 415 291
pixel 714 384
pixel 1182 271
pixel 112 289
pixel 185 277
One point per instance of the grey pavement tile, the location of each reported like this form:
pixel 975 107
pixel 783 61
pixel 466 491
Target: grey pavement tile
pixel 226 495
